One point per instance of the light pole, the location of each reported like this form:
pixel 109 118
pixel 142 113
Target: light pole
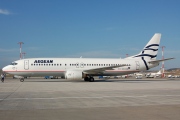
pixel 24 54
pixel 20 43
pixel 163 61
pixel 127 55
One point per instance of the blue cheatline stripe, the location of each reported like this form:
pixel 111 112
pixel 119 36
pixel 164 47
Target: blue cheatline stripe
pixel 151 49
pixel 145 63
pixel 152 45
pixel 142 55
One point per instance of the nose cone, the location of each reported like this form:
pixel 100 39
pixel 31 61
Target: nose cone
pixel 4 69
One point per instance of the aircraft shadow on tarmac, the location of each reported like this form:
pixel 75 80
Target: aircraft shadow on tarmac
pixel 103 80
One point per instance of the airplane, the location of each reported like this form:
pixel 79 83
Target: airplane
pixel 87 68
pixel 153 75
pixel 159 73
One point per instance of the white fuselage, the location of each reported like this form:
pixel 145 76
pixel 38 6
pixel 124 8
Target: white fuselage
pixel 59 66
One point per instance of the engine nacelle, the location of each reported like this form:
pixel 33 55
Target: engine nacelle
pixel 74 75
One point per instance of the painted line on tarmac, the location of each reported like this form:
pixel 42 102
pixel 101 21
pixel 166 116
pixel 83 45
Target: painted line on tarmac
pixel 100 97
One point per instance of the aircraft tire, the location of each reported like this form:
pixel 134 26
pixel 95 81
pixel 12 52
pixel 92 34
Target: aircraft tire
pixel 86 79
pixel 22 80
pixel 91 79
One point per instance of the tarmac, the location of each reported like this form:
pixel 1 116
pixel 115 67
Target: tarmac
pixel 112 99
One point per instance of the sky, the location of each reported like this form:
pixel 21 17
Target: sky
pixel 88 28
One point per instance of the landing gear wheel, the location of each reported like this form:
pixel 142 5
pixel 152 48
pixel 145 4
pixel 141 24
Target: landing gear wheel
pixel 22 79
pixel 86 79
pixel 91 79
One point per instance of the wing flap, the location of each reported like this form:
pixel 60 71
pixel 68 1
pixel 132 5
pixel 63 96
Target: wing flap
pixel 100 70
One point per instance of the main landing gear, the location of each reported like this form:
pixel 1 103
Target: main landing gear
pixel 90 79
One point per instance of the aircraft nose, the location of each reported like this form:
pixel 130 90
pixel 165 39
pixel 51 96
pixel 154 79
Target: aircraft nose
pixel 4 69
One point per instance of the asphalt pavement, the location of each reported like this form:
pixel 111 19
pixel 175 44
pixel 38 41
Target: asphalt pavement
pixel 112 99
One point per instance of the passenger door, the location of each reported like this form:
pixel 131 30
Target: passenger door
pixel 26 64
pixel 137 65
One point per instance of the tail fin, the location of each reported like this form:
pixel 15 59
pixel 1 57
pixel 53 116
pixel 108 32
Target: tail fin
pixel 159 72
pixel 151 49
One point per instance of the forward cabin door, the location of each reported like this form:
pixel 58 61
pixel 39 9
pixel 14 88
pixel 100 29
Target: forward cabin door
pixel 26 64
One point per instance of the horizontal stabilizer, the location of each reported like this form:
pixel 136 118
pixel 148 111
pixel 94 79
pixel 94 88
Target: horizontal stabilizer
pixel 157 61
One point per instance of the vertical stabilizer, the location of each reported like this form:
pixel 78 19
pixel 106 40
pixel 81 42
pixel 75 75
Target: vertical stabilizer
pixel 151 49
pixel 159 72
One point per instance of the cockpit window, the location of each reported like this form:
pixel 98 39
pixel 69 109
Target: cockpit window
pixel 13 63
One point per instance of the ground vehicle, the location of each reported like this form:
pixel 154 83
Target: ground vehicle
pixel 139 77
pixel 150 75
pixel 50 77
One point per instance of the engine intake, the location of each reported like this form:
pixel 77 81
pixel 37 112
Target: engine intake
pixel 74 75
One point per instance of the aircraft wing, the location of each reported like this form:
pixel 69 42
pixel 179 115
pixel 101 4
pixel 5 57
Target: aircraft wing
pixel 157 61
pixel 100 70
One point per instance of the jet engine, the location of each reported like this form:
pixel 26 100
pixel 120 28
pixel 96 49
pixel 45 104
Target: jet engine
pixel 74 75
